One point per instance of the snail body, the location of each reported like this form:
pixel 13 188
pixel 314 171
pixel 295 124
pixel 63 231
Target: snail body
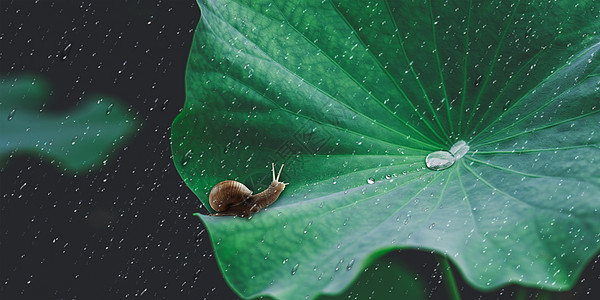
pixel 232 198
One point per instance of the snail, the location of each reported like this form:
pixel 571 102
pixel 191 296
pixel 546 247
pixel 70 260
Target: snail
pixel 231 198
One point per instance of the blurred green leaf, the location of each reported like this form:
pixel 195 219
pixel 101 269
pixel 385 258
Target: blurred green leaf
pixel 74 141
pixel 385 278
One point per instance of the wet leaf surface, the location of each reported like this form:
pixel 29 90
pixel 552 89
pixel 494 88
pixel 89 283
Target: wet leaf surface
pixel 353 96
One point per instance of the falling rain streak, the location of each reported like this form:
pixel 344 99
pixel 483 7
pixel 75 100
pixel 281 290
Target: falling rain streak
pixel 11 114
pixel 295 269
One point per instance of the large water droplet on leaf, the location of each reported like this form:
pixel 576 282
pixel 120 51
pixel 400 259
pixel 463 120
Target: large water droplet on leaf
pixel 459 149
pixel 440 160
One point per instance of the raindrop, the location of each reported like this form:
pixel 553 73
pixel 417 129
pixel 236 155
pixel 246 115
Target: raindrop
pixel 370 180
pixel 74 140
pixel 459 149
pixel 295 269
pixel 440 160
pixel 478 81
pixel 186 157
pixel 109 109
pixel 306 228
pixel 350 265
pixel 11 114
pixel 431 226
pixel 65 52
pixel 337 267
pixel 164 105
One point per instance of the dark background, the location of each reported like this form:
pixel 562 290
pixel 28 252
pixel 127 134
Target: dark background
pixel 124 230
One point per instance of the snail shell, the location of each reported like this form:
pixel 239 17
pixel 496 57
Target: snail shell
pixel 228 193
pixel 231 198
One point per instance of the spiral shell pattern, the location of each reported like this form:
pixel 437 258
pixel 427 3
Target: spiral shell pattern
pixel 228 193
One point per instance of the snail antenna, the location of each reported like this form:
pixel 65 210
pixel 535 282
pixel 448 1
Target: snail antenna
pixel 273 169
pixel 278 174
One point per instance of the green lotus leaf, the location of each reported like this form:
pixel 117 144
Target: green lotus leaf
pixel 78 140
pixel 354 96
pixel 386 278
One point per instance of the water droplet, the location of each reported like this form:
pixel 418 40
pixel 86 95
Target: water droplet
pixel 337 267
pixel 459 149
pixel 440 160
pixel 431 226
pixel 306 228
pixel 478 81
pixel 370 180
pixel 186 157
pixel 350 265
pixel 11 114
pixel 65 52
pixel 295 269
pixel 109 109
pixel 73 140
pixel 164 105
